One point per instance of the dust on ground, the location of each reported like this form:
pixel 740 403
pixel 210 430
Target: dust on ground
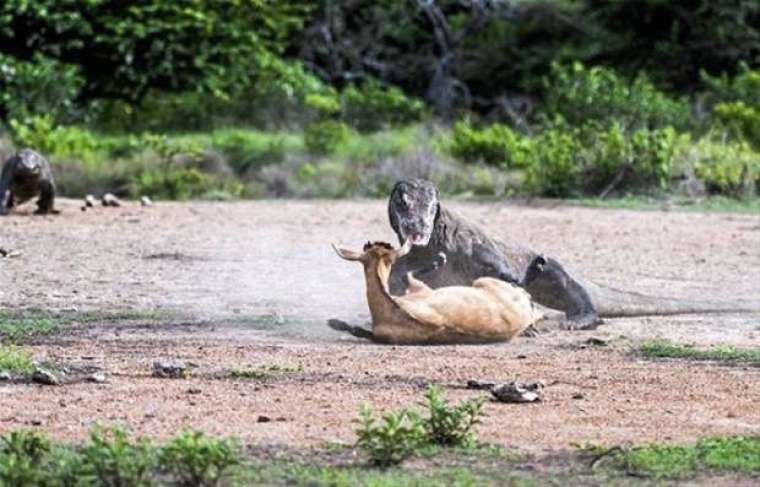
pixel 249 286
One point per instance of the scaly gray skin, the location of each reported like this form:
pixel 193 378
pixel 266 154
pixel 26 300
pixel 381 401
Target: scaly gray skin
pixel 415 212
pixel 24 176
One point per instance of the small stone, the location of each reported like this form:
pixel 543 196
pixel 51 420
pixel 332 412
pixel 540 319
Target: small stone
pixel 110 200
pixel 480 384
pixel 521 356
pixel 170 369
pixel 96 377
pixel 45 377
pixel 146 201
pixel 5 376
pixel 36 422
pixel 519 392
pixel 578 395
pixel 194 390
pixel 263 419
pixel 599 342
pixel 89 201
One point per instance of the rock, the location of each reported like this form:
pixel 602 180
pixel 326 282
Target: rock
pixel 480 384
pixel 45 377
pixel 578 395
pixel 170 369
pixel 5 376
pixel 596 341
pixel 110 200
pixel 146 201
pixel 96 377
pixel 9 253
pixel 90 201
pixel 518 392
pixel 263 419
pixel 193 390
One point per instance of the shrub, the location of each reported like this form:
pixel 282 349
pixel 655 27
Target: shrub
pixel 113 460
pixel 400 435
pixel 451 426
pixel 21 453
pixel 41 133
pixel 496 144
pixel 555 168
pixel 741 120
pixel 372 106
pixel 193 459
pixel 325 137
pixel 581 94
pixel 744 87
pixel 728 168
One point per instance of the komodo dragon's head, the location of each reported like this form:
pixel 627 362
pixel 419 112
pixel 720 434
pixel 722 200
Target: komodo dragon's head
pixel 28 163
pixel 413 209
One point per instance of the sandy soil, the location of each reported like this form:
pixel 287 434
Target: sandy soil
pixel 250 285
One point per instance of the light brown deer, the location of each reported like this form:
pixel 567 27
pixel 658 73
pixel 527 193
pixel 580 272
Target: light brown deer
pixel 491 310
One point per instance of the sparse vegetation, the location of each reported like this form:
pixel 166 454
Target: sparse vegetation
pixel 732 454
pixel 267 372
pixel 724 353
pixel 405 433
pixel 14 360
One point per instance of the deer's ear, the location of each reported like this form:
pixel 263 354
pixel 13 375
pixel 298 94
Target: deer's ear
pixel 347 254
pixel 404 249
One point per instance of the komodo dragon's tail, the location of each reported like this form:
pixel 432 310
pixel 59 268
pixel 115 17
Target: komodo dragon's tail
pixel 612 303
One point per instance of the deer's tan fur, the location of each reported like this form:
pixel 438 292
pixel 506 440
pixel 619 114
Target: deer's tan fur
pixel 490 311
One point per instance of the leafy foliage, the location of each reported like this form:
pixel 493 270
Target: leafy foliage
pixel 580 94
pixel 399 435
pixel 173 46
pixel 451 426
pixel 114 460
pixel 196 460
pixel 325 137
pixel 496 144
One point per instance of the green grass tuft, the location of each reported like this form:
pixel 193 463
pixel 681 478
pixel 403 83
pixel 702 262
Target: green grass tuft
pixel 723 353
pixel 14 360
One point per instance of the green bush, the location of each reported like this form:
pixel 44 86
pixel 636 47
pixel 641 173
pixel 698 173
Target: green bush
pixel 42 134
pixel 451 426
pixel 247 150
pixel 496 144
pixel 113 460
pixel 21 453
pixel 555 166
pixel 741 120
pixel 193 459
pixel 371 106
pixel 744 87
pixel 325 137
pixel 726 168
pixel 400 435
pixel 580 94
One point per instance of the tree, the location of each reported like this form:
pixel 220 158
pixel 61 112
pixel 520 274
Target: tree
pixel 124 49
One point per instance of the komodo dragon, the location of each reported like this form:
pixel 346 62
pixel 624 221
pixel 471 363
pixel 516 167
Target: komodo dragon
pixel 415 212
pixel 24 176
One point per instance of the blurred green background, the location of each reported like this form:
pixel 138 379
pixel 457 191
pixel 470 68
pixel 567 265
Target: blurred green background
pixel 339 98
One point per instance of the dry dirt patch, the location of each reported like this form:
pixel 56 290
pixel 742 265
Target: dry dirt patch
pixel 254 283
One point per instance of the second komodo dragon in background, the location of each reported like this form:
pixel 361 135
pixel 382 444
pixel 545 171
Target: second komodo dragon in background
pixel 24 176
pixel 416 213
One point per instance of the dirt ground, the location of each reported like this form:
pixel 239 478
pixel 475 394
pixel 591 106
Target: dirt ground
pixel 249 285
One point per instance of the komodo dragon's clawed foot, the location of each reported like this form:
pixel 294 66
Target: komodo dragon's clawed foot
pixel 585 322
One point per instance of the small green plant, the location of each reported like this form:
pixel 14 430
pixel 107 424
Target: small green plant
pixel 396 437
pixel 451 425
pixel 371 106
pixel 114 460
pixel 194 459
pixel 14 360
pixel 21 453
